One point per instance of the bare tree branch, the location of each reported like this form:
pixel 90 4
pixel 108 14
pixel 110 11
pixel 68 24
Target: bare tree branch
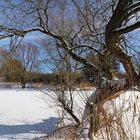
pixel 127 29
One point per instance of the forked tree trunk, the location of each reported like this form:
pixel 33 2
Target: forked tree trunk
pixel 109 90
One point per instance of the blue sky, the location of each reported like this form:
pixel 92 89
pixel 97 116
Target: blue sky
pixel 34 38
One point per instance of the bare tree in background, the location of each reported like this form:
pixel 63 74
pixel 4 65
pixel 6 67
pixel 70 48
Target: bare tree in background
pixel 94 25
pixel 28 56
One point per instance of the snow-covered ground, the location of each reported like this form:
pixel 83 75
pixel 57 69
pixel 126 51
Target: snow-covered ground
pixel 25 114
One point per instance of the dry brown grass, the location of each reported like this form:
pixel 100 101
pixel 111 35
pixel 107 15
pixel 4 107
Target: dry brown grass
pixel 116 119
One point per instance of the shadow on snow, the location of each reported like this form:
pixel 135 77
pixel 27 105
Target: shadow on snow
pixel 47 126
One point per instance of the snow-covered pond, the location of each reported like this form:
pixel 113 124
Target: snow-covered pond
pixel 24 114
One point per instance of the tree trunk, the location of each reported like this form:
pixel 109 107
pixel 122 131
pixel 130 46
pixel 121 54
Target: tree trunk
pixel 113 87
pixel 23 85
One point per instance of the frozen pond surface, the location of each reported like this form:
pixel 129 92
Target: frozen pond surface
pixel 24 114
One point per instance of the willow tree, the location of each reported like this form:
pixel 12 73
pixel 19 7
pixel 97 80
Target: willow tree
pixel 86 25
